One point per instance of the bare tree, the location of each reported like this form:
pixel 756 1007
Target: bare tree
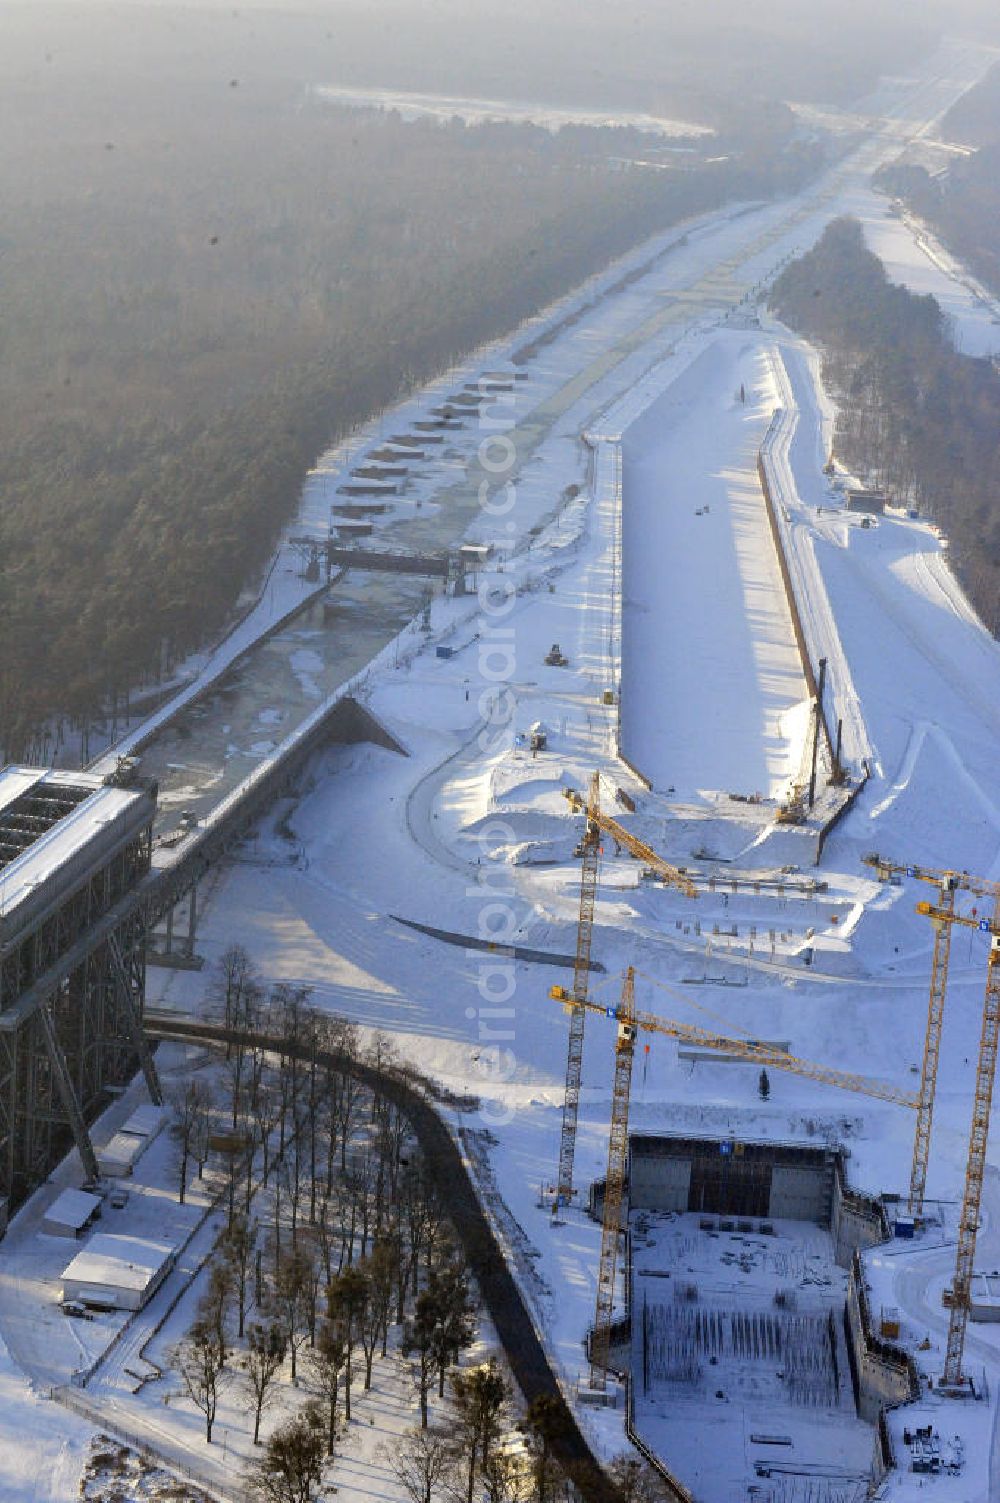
pixel 265 1108
pixel 348 1298
pixel 287 1181
pixel 423 1217
pixel 239 1054
pixel 191 1105
pixel 545 1424
pixel 262 1362
pixel 291 1299
pixel 289 1006
pixel 200 1360
pixel 455 1310
pixel 393 1133
pixel 238 1246
pixel 381 1271
pixel 331 1239
pixel 370 1322
pixel 360 1182
pixel 236 1152
pixel 636 1481
pixel 418 1343
pixel 346 1103
pixel 216 1301
pixel 235 988
pixel 423 1462
pixel 234 976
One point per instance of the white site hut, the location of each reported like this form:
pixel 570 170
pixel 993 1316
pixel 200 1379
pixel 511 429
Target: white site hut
pixel 117 1273
pixel 119 1155
pixel 71 1213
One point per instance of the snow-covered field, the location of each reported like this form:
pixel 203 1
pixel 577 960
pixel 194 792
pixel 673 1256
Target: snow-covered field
pixel 710 668
pixel 470 833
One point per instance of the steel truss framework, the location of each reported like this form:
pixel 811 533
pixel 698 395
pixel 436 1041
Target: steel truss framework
pixel 614 1185
pixel 62 1044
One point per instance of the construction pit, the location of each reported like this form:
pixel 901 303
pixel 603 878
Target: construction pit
pixel 744 1367
pixel 741 1374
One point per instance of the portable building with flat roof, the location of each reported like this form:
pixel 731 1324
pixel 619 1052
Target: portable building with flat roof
pixel 117 1273
pixel 71 1213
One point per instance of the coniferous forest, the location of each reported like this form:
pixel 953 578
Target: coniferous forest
pixel 915 417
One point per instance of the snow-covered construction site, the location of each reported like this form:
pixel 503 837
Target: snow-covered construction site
pixel 625 861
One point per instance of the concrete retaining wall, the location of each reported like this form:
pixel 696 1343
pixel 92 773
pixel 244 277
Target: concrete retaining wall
pixel 800 1194
pixel 798 629
pixel 856 1220
pixel 660 1182
pixel 754 1179
pixel 883 1375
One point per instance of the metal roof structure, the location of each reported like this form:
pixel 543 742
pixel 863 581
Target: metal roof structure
pixel 49 817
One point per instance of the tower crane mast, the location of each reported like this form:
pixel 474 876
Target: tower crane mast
pixel 948 883
pixel 590 852
pixel 614 1184
pixel 665 870
pixel 986 1066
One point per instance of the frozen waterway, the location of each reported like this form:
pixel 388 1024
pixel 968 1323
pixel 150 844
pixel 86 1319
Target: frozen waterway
pixel 217 740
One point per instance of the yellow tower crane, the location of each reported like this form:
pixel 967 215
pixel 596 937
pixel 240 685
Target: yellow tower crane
pixel 975 1170
pixel 614 1184
pixel 948 883
pixel 589 850
pixel 630 1023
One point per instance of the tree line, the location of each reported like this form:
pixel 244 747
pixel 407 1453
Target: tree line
pixel 915 418
pixel 336 1253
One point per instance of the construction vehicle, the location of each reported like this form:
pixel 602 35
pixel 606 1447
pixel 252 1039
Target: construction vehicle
pixel 555 657
pixel 630 1024
pixel 793 810
pixel 589 851
pixel 986 1064
pixel 949 883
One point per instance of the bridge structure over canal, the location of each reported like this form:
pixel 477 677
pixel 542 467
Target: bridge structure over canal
pixel 442 565
pixel 177 871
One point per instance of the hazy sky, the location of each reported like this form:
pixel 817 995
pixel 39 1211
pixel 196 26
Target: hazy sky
pixel 904 12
